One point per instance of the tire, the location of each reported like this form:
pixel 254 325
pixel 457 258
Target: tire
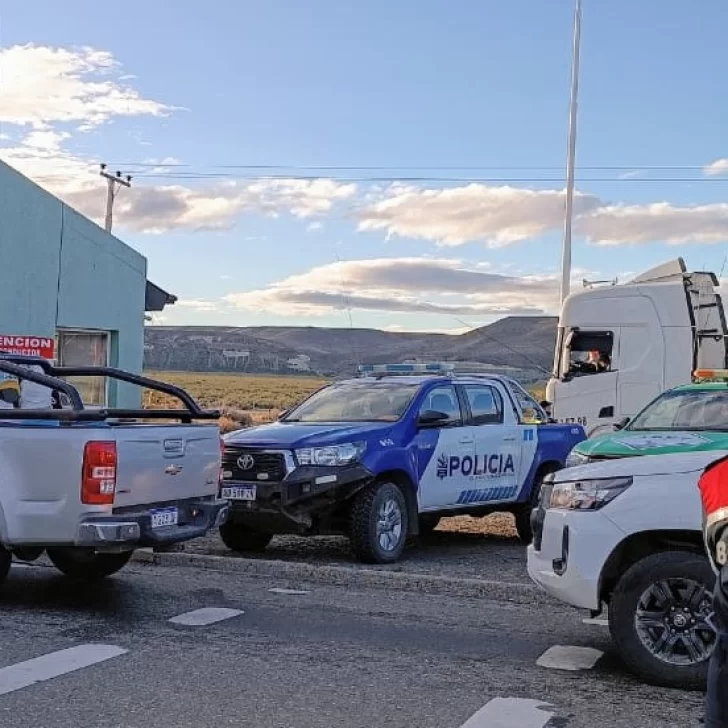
pixel 522 515
pixel 85 564
pixel 428 524
pixel 662 586
pixel 6 559
pixel 240 538
pixel 379 523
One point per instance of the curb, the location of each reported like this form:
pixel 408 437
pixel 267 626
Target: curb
pixel 517 592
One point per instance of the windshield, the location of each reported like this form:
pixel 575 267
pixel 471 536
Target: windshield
pixel 365 401
pixel 685 410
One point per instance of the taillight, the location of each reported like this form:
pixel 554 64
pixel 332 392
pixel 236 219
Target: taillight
pixel 98 483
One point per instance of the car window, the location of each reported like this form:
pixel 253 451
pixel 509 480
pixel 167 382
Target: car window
pixel 531 411
pixel 360 401
pixel 443 399
pixel 685 410
pixel 486 404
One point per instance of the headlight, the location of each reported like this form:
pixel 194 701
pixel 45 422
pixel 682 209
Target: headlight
pixel 588 495
pixel 575 458
pixel 348 452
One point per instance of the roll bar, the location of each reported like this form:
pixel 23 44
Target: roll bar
pixel 52 378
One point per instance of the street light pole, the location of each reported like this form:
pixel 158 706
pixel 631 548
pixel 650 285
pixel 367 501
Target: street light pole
pixel 570 159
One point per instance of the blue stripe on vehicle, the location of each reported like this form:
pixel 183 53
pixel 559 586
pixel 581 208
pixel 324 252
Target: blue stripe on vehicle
pixel 484 495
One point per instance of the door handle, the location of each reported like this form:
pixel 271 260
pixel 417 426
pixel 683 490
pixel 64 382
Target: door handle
pixel 510 438
pixel 467 440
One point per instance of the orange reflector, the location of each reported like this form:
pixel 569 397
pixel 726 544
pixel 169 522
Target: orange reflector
pixel 718 374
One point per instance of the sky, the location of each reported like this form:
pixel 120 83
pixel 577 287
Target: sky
pixel 396 164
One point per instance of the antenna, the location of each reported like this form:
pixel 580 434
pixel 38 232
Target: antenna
pixel 347 299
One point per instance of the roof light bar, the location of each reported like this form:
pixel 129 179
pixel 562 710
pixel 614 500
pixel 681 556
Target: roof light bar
pixel 717 375
pixel 428 368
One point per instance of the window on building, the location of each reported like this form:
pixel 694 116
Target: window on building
pixel 590 352
pixel 83 349
pixel 486 405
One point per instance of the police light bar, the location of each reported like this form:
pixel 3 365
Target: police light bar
pixel 718 375
pixel 429 368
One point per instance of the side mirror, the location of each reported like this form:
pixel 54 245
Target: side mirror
pixel 431 418
pixel 621 424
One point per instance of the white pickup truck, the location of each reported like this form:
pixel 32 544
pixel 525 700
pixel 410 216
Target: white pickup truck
pixel 88 486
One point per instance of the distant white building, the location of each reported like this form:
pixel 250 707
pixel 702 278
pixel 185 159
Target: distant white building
pixel 300 363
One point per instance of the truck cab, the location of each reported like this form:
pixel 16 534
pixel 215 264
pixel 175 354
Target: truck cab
pixel 619 346
pixel 386 455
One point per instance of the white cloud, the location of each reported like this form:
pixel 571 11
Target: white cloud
pixel 502 216
pixel 720 166
pixel 47 88
pixel 43 85
pixel 403 285
pixel 198 304
pixel 496 215
pixel 659 221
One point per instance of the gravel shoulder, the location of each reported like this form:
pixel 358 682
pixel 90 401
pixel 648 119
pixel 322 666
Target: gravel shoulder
pixel 462 547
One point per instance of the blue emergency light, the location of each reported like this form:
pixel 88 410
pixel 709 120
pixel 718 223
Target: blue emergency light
pixel 427 368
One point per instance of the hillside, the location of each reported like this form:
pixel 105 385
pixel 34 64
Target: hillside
pixel 522 344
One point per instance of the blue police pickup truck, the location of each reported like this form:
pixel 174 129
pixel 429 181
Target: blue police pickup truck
pixel 386 455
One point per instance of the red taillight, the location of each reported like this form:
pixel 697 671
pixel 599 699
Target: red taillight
pixel 98 481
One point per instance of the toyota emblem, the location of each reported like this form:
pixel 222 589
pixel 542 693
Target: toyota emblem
pixel 246 462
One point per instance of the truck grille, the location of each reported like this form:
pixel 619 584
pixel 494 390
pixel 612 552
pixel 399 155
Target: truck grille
pixel 248 464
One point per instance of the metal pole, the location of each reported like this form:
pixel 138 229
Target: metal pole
pixel 571 156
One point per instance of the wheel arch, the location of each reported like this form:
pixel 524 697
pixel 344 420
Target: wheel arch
pixel 638 546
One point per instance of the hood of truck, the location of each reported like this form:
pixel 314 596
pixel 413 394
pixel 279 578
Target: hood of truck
pixel 289 435
pixel 624 443
pixel 635 466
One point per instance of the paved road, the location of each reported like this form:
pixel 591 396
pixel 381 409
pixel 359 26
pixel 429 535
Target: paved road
pixel 329 657
pixel 479 549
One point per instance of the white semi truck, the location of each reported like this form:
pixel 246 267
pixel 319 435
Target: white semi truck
pixel 620 346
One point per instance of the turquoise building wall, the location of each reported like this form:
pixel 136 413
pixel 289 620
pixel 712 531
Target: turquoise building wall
pixel 59 270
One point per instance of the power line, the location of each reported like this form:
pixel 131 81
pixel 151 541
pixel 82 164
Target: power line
pixel 402 178
pixel 349 168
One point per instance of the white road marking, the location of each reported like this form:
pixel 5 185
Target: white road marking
pixel 563 657
pixel 510 713
pixel 205 616
pixel 599 621
pixel 54 664
pixel 281 590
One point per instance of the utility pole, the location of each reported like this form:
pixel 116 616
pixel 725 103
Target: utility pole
pixel 570 159
pixel 112 181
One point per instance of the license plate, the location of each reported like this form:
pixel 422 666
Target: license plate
pixel 239 492
pixel 164 517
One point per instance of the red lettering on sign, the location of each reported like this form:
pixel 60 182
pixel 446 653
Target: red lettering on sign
pixel 42 346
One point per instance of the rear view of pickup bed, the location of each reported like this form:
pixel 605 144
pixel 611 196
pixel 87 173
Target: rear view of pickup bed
pixel 88 486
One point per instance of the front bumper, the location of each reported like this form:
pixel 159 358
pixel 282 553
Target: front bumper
pixel 568 558
pixel 293 504
pixel 131 528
